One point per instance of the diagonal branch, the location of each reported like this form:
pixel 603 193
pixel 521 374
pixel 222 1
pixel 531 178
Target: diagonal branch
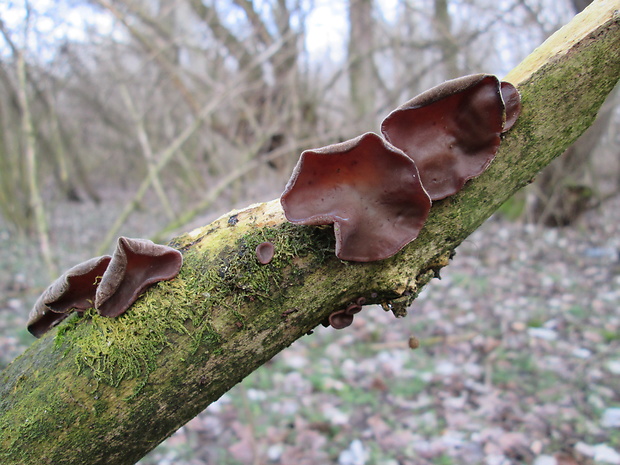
pixel 104 391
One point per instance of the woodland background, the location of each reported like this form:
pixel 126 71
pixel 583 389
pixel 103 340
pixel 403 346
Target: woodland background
pixel 146 118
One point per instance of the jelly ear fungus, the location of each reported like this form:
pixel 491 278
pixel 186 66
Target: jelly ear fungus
pixel 75 289
pixel 108 284
pixel 452 131
pixel 135 265
pixel 369 189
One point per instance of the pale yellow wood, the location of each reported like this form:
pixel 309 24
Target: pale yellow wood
pixel 589 21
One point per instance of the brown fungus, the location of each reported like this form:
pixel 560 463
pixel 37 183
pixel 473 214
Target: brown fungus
pixel 512 104
pixel 452 131
pixel 367 188
pixel 265 252
pixel 74 290
pixel 340 319
pixel 136 264
pixel 352 309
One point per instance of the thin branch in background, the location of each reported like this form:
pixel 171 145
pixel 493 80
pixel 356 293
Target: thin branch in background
pixel 147 152
pixel 234 176
pixel 157 54
pixel 165 157
pixel 30 153
pixel 169 152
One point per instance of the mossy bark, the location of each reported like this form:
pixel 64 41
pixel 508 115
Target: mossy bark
pixel 107 391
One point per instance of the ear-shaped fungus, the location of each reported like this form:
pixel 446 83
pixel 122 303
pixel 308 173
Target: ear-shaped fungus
pixel 512 104
pixel 75 289
pixel 265 252
pixel 340 319
pixel 369 189
pixel 353 309
pixel 135 265
pixel 452 131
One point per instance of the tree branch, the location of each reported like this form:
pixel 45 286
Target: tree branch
pixel 106 391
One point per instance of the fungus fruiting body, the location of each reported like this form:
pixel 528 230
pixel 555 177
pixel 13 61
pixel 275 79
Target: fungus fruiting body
pixel 75 289
pixel 353 309
pixel 512 104
pixel 344 317
pixel 340 319
pixel 452 131
pixel 265 252
pixel 108 284
pixel 135 265
pixel 367 188
pixel 377 201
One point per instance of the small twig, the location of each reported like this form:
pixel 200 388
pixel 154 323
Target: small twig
pixel 431 341
pixel 147 151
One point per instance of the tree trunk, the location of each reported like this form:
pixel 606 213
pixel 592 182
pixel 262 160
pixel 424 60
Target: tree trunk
pixel 32 167
pixel 448 44
pixel 564 190
pixel 107 391
pixel 362 82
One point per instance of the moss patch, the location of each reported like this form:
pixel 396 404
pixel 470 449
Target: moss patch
pixel 127 347
pixel 202 304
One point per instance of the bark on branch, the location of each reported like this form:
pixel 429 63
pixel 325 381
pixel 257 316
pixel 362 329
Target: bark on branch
pixel 107 391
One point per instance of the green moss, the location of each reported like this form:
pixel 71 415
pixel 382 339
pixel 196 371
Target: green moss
pixel 115 349
pixel 127 347
pixel 42 416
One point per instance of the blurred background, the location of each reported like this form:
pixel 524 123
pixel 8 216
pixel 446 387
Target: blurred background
pixel 146 118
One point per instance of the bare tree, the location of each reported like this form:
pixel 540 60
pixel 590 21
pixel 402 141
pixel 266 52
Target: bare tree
pixel 29 145
pixel 448 43
pixel 361 50
pixel 572 184
pixel 102 390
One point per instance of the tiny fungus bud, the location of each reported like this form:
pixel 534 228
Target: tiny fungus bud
pixel 340 319
pixel 136 264
pixel 452 131
pixel 265 252
pixel 353 309
pixel 75 289
pixel 369 189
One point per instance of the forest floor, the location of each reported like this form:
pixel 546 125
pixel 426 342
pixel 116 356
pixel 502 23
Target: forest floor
pixel 518 359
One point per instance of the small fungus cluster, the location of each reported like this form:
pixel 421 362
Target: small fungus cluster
pixel 377 191
pixel 340 319
pixel 109 284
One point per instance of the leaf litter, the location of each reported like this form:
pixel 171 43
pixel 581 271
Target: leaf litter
pixel 518 362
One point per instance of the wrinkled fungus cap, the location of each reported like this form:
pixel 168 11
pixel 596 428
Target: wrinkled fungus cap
pixel 368 189
pixel 452 131
pixel 340 319
pixel 265 252
pixel 75 289
pixel 135 265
